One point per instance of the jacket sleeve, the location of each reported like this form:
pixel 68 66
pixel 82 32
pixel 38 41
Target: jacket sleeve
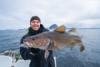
pixel 26 53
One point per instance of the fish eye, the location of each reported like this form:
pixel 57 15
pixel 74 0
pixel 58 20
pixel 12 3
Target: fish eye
pixel 33 39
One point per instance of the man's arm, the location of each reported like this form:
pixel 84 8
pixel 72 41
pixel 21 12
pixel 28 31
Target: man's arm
pixel 26 53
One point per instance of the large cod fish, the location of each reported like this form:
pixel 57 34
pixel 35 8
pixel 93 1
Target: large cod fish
pixel 53 40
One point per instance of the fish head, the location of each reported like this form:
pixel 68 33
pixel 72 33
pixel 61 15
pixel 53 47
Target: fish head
pixel 37 42
pixel 29 41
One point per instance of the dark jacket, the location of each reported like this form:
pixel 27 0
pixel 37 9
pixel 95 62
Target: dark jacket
pixel 34 54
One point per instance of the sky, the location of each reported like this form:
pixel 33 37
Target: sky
pixel 15 14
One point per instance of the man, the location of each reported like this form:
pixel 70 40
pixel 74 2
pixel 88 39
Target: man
pixel 34 54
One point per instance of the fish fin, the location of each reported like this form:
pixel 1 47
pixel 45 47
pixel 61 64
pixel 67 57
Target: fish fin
pixel 82 48
pixel 46 54
pixel 71 47
pixel 61 29
pixel 51 45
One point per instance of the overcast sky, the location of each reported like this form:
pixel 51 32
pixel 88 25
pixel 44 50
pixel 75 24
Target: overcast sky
pixel 15 14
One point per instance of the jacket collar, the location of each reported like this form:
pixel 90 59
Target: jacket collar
pixel 33 32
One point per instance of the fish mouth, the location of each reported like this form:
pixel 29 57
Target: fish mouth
pixel 28 41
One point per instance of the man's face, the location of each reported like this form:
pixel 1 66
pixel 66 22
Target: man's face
pixel 35 24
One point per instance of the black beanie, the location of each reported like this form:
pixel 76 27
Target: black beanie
pixel 35 18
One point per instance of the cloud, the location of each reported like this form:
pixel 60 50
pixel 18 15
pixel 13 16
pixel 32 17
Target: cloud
pixel 18 12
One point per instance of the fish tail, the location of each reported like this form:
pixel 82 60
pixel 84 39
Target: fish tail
pixel 82 48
